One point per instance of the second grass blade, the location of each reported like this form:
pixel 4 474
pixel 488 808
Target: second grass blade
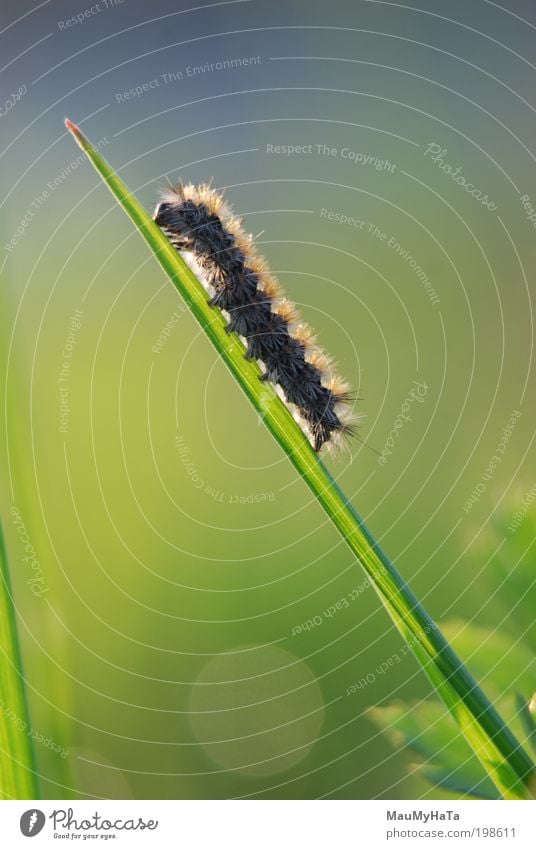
pixel 497 749
pixel 18 778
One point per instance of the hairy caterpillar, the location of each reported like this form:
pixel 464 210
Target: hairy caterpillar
pixel 202 226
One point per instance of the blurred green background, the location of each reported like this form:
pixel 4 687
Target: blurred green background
pixel 179 553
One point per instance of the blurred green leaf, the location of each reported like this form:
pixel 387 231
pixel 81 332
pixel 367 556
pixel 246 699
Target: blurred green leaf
pixel 527 720
pixel 497 660
pixel 511 569
pixel 427 729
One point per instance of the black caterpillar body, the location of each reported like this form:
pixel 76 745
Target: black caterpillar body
pixel 200 224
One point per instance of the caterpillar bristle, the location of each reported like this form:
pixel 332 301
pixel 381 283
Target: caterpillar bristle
pixel 304 334
pixel 338 387
pixel 320 360
pixel 243 240
pixel 286 310
pixel 270 286
pixel 260 267
pixel 202 226
pixel 345 412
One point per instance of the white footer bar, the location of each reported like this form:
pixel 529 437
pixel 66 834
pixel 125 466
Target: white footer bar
pixel 269 823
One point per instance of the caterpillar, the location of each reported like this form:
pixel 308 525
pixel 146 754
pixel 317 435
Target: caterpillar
pixel 202 226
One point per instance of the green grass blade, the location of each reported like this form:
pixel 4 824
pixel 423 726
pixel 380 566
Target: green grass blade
pixel 18 779
pixel 497 749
